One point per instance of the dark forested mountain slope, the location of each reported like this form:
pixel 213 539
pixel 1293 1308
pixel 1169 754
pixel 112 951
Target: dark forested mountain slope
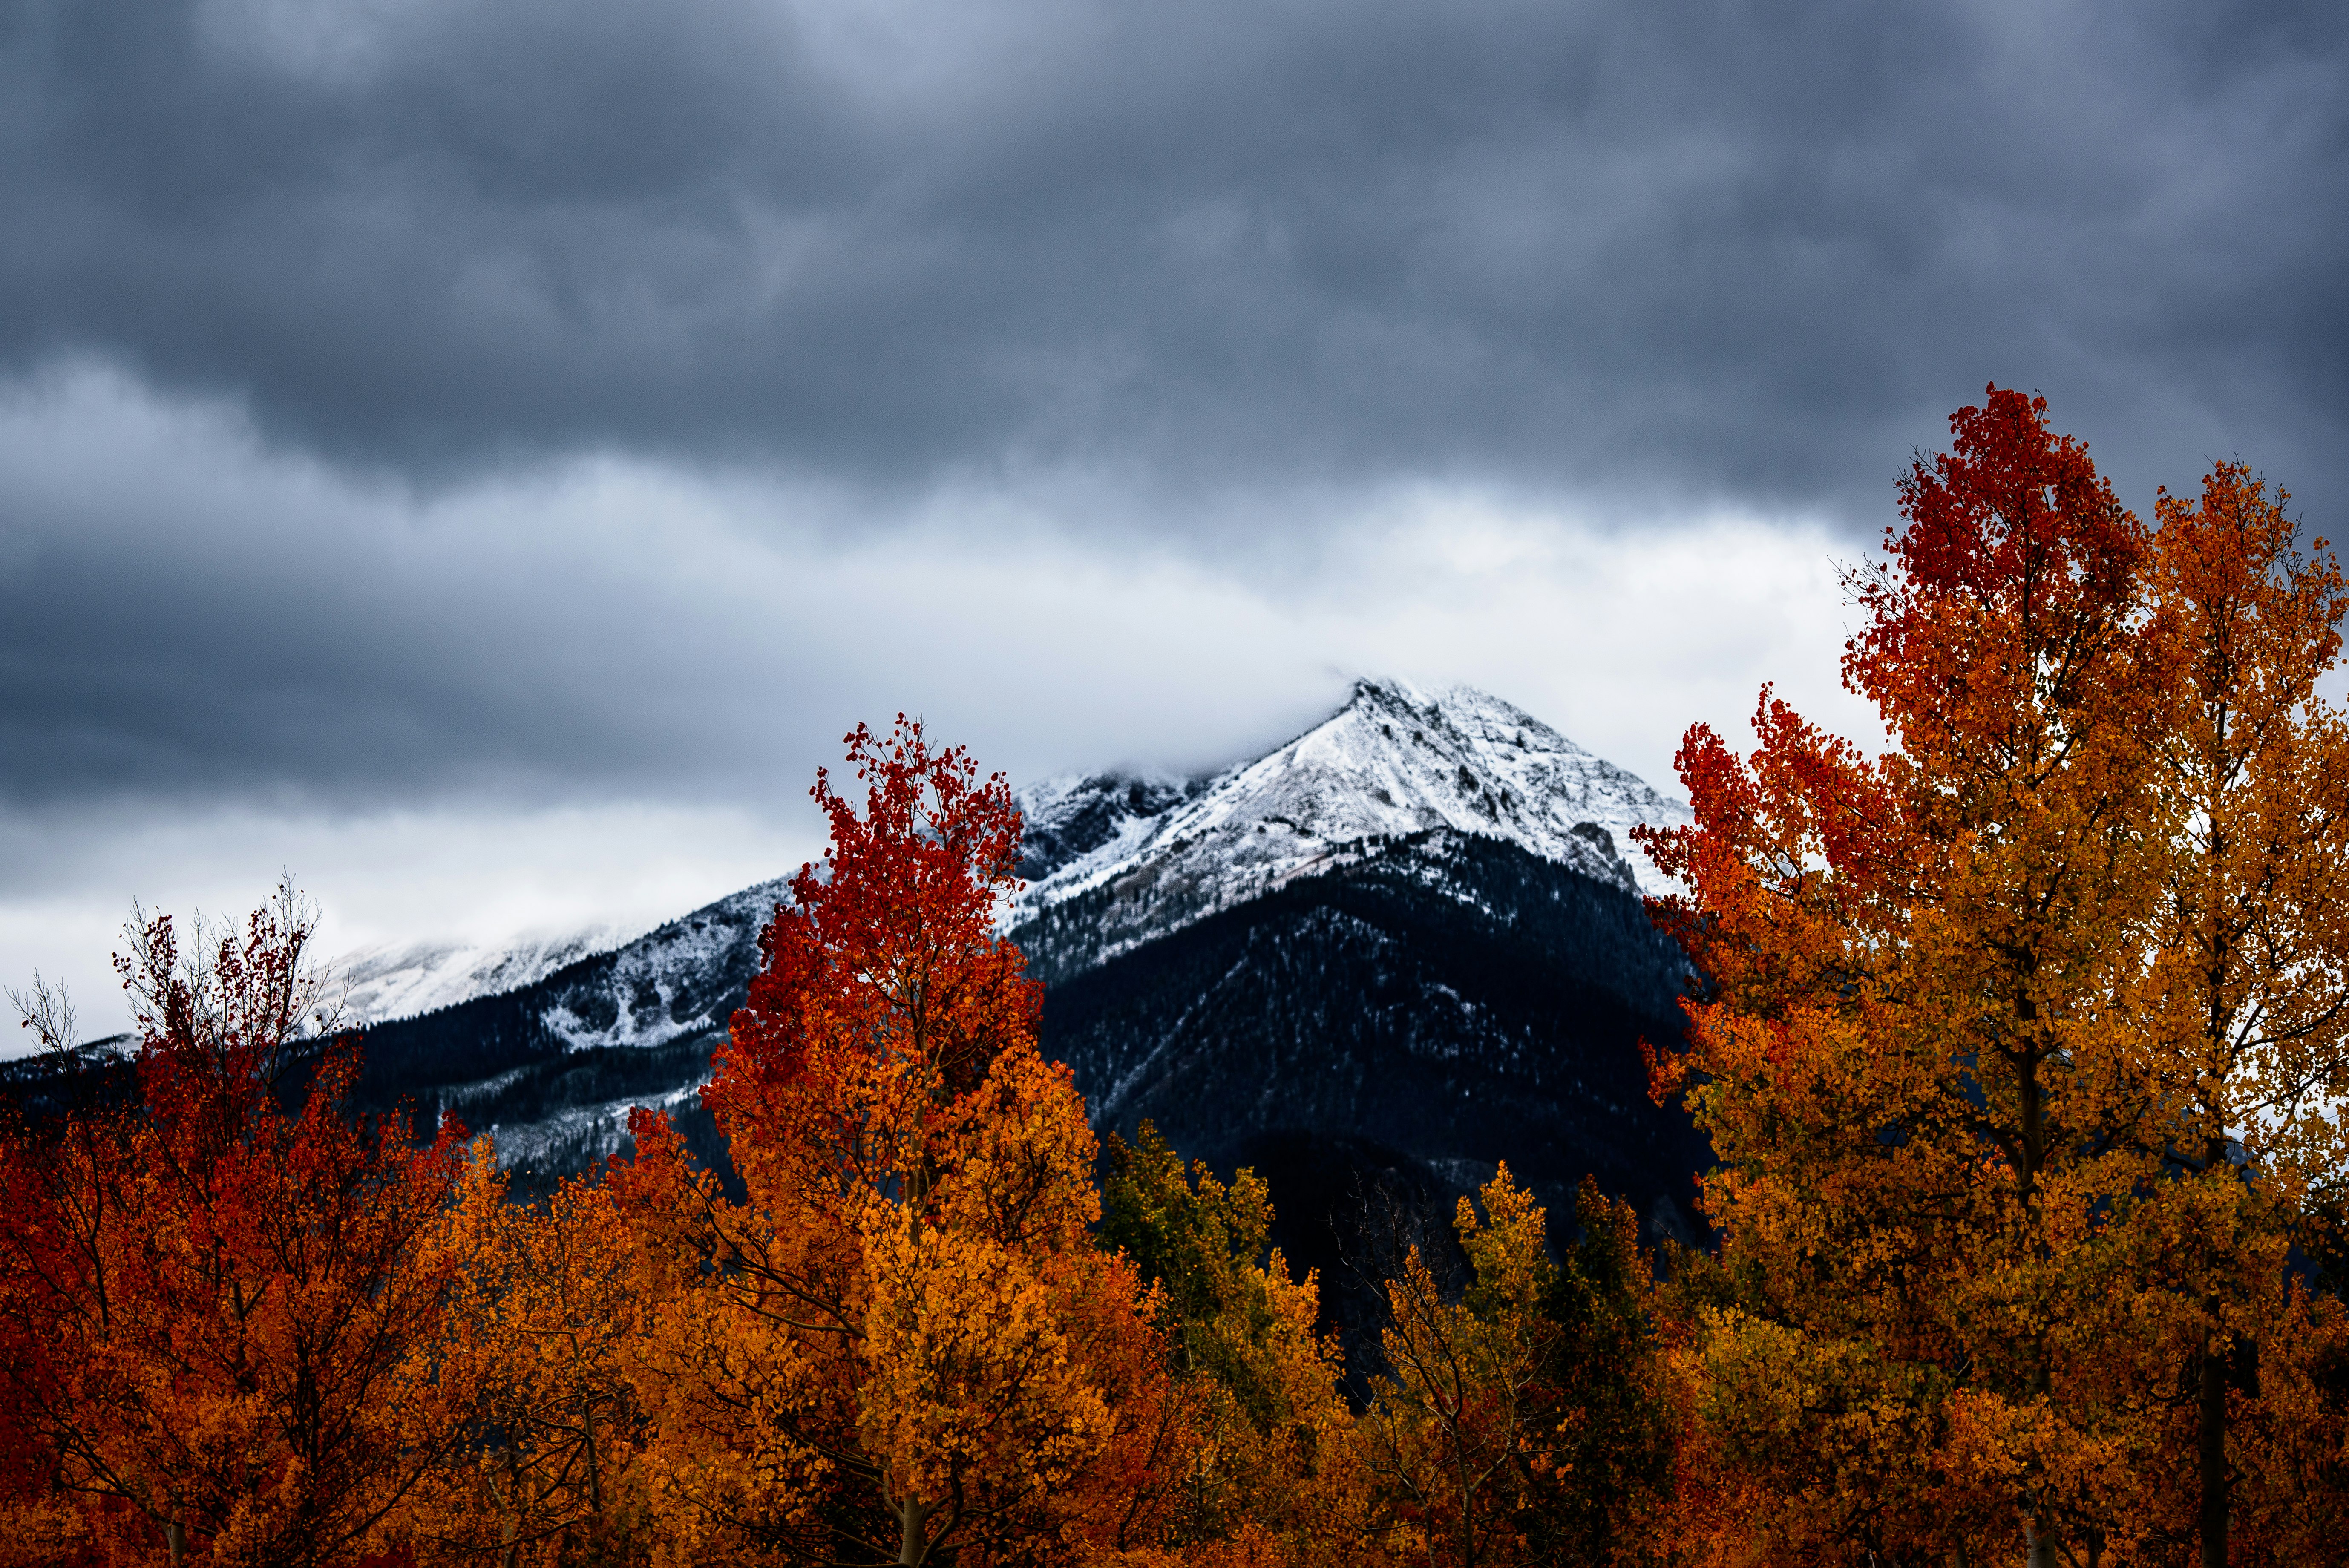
pixel 1452 997
pixel 1374 1039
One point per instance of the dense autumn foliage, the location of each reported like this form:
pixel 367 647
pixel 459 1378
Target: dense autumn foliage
pixel 209 1303
pixel 1270 1473
pixel 537 1348
pixel 245 1325
pixel 2017 1042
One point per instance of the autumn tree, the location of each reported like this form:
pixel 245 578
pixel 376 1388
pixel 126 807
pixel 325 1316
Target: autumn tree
pixel 1268 1471
pixel 1956 1008
pixel 1458 1432
pixel 2246 1017
pixel 1603 1421
pixel 903 1343
pixel 208 1298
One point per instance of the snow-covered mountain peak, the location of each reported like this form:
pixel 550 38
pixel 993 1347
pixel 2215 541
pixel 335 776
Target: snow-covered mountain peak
pixel 1395 760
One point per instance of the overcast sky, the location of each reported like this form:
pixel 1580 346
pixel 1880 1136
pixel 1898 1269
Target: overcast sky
pixel 480 457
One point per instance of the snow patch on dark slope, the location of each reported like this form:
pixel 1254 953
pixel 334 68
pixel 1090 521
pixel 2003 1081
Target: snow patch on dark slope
pixel 552 1068
pixel 1071 816
pixel 658 988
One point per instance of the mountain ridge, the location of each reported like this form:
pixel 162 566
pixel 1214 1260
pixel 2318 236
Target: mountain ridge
pixel 1391 761
pixel 1357 884
pixel 406 980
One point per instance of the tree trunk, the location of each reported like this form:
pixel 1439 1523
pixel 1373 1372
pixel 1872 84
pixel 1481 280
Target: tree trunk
pixel 2214 1457
pixel 2038 1545
pixel 595 1474
pixel 913 1534
pixel 2038 1550
pixel 1467 1502
pixel 509 1513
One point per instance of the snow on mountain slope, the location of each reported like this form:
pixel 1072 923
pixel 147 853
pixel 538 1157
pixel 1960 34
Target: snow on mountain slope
pixel 1070 815
pixel 638 992
pixel 1395 760
pixel 682 979
pixel 552 1068
pixel 392 980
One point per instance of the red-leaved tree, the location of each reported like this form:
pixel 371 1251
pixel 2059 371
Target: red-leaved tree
pixel 904 1343
pixel 209 1299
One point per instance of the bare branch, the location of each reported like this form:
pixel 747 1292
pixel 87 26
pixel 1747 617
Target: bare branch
pixel 49 1012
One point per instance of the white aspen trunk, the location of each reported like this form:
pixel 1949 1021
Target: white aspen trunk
pixel 2038 1550
pixel 913 1534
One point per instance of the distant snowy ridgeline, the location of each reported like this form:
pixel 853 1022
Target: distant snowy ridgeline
pixel 682 979
pixel 599 991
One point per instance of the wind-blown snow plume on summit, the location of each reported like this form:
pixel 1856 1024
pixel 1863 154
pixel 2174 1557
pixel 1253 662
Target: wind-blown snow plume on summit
pixel 1158 853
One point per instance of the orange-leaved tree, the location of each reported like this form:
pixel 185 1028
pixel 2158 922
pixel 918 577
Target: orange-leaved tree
pixel 1982 1020
pixel 902 1343
pixel 1907 1043
pixel 2246 1015
pixel 210 1298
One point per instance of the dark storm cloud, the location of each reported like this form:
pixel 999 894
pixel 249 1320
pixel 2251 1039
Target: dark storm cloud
pixel 180 619
pixel 1747 250
pixel 189 621
pixel 914 257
